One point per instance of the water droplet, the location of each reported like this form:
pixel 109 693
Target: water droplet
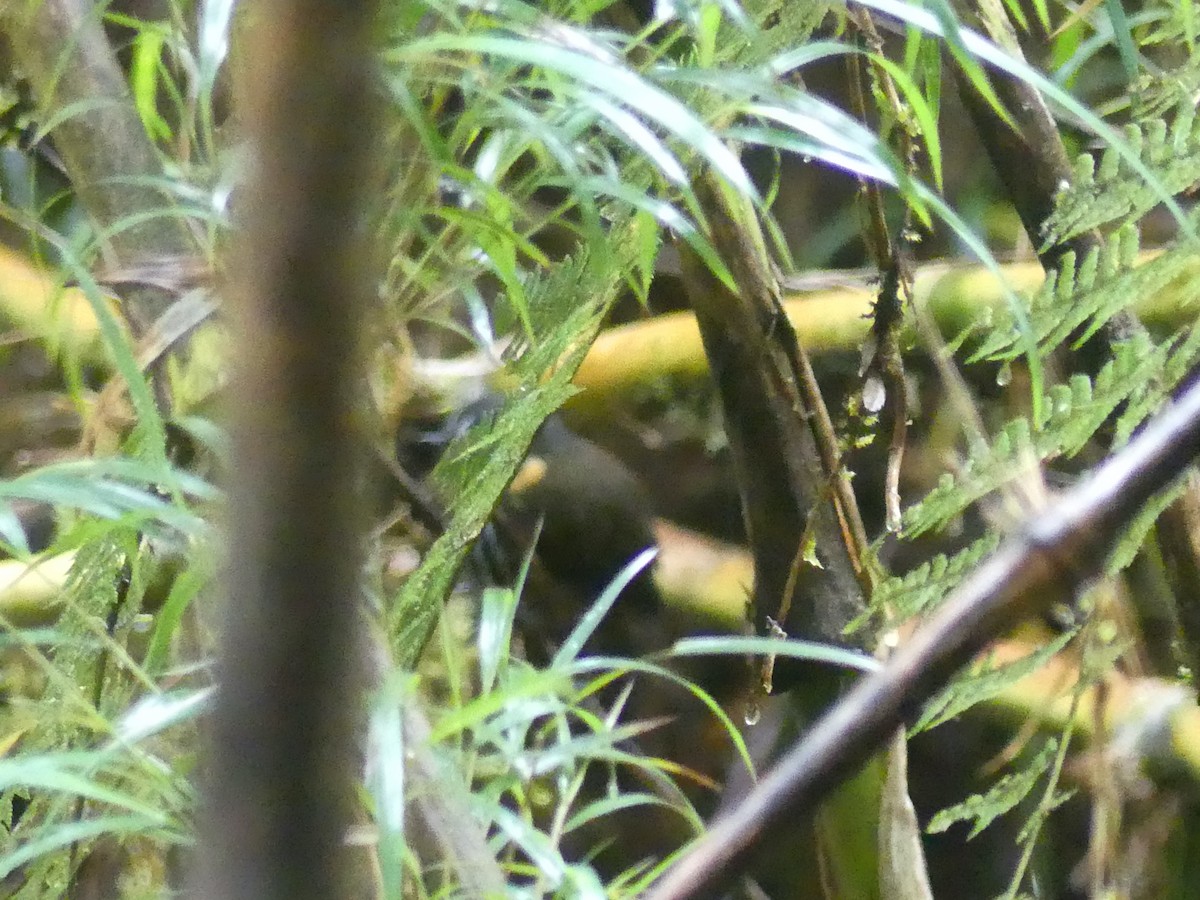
pixel 753 713
pixel 1004 376
pixel 874 394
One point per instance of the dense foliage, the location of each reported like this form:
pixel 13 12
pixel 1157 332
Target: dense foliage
pixel 554 182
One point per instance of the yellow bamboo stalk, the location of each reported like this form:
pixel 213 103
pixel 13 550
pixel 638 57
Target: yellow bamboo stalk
pixel 30 592
pixel 40 307
pixel 832 319
pixel 829 320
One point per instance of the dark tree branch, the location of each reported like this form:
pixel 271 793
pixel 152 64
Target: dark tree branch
pixel 1027 151
pixel 794 499
pixel 279 775
pixel 1031 161
pixel 1055 553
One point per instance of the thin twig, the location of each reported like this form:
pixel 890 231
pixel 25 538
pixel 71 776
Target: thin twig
pixel 883 364
pixel 1054 554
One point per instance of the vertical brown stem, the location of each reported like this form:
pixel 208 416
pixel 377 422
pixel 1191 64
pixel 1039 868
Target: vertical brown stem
pixel 281 751
pixel 784 452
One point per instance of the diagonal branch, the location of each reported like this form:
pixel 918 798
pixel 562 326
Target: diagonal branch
pixel 61 47
pixel 1031 160
pixel 1053 556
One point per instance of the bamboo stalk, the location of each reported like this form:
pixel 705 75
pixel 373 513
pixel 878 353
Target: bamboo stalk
pixel 830 320
pixel 30 591
pixel 624 358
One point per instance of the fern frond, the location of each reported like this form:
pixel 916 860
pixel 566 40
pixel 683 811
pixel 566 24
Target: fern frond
pixel 91 597
pixel 1112 191
pixel 1082 295
pixel 1074 412
pixel 1000 798
pixel 564 309
pixel 1183 354
pixel 985 683
pixel 67 714
pixel 1077 410
pixel 1154 95
pixel 1135 533
pixel 904 596
pixel 1012 453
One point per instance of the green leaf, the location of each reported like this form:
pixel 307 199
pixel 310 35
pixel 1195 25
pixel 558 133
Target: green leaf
pixel 143 77
pixel 974 44
pixel 985 683
pixel 766 646
pixel 617 82
pixel 1000 798
pixel 587 625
